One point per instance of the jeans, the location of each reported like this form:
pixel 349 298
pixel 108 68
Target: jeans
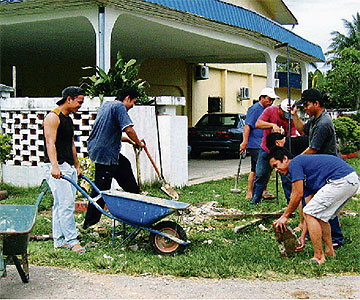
pixel 104 174
pixel 63 222
pixel 262 173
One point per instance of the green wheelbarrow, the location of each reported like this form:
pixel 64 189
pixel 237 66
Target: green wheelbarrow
pixel 16 223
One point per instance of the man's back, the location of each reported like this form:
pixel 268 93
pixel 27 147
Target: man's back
pixel 104 143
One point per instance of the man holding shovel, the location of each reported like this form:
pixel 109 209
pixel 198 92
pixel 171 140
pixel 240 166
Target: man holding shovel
pixel 104 145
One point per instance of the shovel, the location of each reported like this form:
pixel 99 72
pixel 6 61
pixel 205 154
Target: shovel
pixel 165 187
pixel 235 189
pixel 137 156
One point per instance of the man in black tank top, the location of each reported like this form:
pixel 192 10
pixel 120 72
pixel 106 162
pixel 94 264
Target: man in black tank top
pixel 61 159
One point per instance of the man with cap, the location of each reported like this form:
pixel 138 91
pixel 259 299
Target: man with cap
pixel 273 119
pixel 61 159
pixel 104 145
pixel 252 136
pixel 327 182
pixel 322 138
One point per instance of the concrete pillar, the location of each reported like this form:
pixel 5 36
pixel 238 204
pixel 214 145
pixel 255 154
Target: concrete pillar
pixel 270 68
pixel 304 75
pixel 103 39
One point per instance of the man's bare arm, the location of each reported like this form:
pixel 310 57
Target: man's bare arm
pixel 51 124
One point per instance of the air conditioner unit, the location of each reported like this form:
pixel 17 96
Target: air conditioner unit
pixel 244 94
pixel 201 72
pixel 276 83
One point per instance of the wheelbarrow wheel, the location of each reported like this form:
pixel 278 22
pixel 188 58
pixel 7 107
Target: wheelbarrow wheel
pixel 163 245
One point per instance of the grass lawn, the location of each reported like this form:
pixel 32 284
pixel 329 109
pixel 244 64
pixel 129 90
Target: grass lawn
pixel 216 251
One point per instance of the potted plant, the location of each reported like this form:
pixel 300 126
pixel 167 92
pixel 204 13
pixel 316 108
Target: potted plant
pixel 122 74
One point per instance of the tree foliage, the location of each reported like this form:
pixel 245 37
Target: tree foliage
pixel 352 39
pixel 122 74
pixel 343 80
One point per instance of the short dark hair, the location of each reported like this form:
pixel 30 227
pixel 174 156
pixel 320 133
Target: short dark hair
pixel 313 95
pixel 271 139
pixel 132 92
pixel 278 153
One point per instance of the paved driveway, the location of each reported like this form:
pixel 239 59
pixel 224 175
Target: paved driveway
pixel 212 166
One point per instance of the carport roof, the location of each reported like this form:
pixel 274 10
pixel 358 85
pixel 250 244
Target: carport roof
pixel 240 17
pixel 236 16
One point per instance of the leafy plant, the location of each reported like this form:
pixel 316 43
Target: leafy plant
pixel 122 74
pixel 87 167
pixel 348 132
pixel 5 147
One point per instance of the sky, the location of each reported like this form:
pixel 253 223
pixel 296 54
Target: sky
pixel 318 18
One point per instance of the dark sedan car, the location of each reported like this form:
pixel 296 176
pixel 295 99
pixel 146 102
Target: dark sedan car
pixel 217 132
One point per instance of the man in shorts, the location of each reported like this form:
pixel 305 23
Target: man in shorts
pixel 328 182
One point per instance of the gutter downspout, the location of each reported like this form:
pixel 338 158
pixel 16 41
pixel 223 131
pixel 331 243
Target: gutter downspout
pixel 102 37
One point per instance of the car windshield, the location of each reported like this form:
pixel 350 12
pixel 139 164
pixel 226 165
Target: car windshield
pixel 218 120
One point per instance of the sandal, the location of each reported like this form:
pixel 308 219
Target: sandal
pixel 78 249
pixel 268 196
pixel 65 246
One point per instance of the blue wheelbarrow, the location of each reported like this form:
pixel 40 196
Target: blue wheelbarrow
pixel 141 212
pixel 16 223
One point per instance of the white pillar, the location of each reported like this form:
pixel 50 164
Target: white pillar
pixel 270 68
pixel 110 17
pixel 304 75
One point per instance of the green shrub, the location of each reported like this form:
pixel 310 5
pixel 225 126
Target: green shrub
pixel 5 147
pixel 87 167
pixel 348 133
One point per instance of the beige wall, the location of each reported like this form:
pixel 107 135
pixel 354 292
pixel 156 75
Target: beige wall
pixel 225 81
pixel 295 94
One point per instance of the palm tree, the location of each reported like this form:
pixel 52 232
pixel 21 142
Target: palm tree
pixel 341 41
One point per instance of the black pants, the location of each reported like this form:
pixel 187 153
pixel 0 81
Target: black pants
pixel 103 176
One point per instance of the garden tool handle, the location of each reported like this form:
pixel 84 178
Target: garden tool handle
pixel 152 161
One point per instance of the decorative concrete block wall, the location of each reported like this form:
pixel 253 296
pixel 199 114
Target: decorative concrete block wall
pixel 22 118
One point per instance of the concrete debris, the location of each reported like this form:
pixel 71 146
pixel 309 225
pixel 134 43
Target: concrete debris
pixel 108 257
pixel 263 228
pixel 207 242
pixel 133 247
pixel 205 211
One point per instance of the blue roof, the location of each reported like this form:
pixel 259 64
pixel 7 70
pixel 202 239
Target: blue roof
pixel 226 13
pixel 237 16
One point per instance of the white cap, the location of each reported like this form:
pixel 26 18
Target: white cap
pixel 268 92
pixel 284 106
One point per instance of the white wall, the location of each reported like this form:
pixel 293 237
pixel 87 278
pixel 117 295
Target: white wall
pixel 22 119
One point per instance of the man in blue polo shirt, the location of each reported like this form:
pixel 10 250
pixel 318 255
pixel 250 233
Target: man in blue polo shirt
pixel 326 182
pixel 104 145
pixel 252 136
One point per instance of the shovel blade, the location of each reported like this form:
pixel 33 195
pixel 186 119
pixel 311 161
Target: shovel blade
pixel 168 190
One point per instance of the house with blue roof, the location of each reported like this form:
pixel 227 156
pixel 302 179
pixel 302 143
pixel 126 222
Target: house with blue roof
pixel 208 51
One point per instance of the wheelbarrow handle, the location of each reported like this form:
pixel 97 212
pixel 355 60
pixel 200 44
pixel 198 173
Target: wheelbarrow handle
pixel 86 195
pixel 42 193
pixel 79 188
